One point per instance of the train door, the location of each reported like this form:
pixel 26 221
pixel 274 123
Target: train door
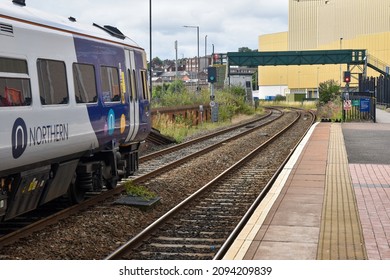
pixel 133 96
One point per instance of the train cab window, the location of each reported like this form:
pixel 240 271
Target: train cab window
pixel 52 82
pixel 110 84
pixel 84 83
pixel 15 87
pixel 145 90
pixel 135 85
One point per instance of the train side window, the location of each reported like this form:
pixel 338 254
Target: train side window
pixel 53 87
pixel 84 83
pixel 15 89
pixel 11 65
pixel 145 91
pixel 135 85
pixel 110 84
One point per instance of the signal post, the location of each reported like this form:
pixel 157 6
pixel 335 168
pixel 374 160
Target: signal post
pixel 212 78
pixel 347 105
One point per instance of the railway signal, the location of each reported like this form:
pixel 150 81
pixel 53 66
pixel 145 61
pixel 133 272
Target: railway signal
pixel 347 77
pixel 212 74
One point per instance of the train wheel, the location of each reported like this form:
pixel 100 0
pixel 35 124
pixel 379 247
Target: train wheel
pixel 111 183
pixel 75 193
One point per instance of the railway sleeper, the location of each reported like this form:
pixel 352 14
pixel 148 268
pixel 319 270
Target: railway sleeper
pixel 175 256
pixel 181 239
pixel 182 246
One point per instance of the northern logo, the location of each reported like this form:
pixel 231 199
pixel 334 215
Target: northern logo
pixel 19 138
pixel 111 122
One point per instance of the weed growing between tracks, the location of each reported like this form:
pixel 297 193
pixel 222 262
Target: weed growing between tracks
pixel 139 191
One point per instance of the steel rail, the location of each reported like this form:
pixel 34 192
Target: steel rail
pixel 225 247
pixel 201 138
pixel 139 238
pixel 43 223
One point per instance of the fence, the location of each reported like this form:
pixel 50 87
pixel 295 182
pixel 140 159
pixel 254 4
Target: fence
pixel 380 86
pixel 197 114
pixel 359 106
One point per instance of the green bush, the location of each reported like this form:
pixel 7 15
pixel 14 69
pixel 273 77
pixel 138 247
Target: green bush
pixel 231 102
pixel 330 103
pixel 328 91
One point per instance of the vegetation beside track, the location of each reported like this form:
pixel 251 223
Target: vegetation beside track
pixel 330 103
pixel 232 108
pixel 232 105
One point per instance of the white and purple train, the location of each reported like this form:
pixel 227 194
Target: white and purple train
pixel 74 107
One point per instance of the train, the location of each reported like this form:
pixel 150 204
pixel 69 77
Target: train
pixel 74 107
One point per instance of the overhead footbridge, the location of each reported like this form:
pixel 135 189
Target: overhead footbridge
pixel 313 57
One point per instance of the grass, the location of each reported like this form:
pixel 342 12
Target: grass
pixel 306 105
pixel 230 110
pixel 181 129
pixel 331 110
pixel 139 191
pixel 231 104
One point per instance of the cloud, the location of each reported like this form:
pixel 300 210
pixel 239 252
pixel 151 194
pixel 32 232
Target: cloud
pixel 228 25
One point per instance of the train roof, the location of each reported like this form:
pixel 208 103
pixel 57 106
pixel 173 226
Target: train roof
pixel 28 15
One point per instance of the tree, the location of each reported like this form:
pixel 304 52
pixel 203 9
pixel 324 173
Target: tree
pixel 255 78
pixel 328 91
pixel 157 61
pixel 246 49
pixel 280 97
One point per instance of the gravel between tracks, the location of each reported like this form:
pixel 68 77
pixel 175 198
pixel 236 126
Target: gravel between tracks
pixel 93 234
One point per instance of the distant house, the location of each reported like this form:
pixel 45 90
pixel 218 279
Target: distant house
pixel 168 77
pixel 172 67
pixel 157 80
pixel 203 76
pixel 187 71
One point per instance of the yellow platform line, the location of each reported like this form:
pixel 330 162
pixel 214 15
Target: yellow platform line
pixel 341 236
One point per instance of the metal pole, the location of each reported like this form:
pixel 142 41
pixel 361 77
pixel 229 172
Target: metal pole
pixel 176 59
pixel 212 56
pixel 205 52
pixel 150 47
pixel 197 87
pixel 341 47
pixel 198 59
pixel 318 85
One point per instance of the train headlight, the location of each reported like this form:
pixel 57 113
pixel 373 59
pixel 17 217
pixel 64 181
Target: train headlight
pixel 2 203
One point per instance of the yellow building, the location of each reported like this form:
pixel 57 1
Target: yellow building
pixel 326 25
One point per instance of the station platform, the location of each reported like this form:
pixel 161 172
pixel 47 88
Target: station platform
pixel 331 201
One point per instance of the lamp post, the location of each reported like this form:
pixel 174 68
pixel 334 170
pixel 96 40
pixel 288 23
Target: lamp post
pixel 150 46
pixel 341 47
pixel 212 56
pixel 205 51
pixel 318 85
pixel 198 59
pixel 299 82
pixel 176 47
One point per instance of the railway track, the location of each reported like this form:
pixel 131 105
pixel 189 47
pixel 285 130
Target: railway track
pixel 155 161
pixel 104 203
pixel 199 227
pixel 151 165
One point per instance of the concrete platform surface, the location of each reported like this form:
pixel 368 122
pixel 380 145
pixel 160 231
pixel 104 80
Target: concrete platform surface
pixel 331 201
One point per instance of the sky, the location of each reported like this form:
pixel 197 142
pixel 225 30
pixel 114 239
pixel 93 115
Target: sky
pixel 228 25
